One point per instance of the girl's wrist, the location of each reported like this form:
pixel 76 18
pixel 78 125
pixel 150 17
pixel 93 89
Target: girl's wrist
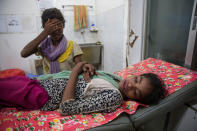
pixel 75 71
pixel 45 33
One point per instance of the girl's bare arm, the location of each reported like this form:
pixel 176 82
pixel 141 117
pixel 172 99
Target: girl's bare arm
pixel 32 46
pixel 70 87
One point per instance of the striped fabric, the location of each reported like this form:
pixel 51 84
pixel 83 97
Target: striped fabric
pixel 80 17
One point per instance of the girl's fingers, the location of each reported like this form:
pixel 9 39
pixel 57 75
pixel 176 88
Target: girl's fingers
pixel 86 76
pixel 55 26
pixel 56 22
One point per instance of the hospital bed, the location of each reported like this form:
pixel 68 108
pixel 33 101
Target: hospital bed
pixel 144 115
pixel 131 116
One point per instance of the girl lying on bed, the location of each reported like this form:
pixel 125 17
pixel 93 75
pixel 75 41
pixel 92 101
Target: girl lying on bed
pixel 73 93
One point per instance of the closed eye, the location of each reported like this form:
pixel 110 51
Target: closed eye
pixel 136 80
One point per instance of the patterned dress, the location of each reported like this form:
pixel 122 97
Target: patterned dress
pixel 103 100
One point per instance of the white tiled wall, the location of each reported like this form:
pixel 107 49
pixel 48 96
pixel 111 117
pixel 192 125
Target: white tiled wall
pixel 108 16
pixel 110 24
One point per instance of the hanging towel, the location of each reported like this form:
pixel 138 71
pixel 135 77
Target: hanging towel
pixel 80 17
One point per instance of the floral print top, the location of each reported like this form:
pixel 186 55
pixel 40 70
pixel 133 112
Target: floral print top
pixel 101 100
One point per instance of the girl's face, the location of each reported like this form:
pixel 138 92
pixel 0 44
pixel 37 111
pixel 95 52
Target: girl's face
pixel 135 87
pixel 57 34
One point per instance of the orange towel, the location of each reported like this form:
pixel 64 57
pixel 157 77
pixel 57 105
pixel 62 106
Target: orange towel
pixel 85 16
pixel 80 17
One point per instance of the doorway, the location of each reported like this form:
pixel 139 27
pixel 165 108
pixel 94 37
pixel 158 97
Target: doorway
pixel 167 29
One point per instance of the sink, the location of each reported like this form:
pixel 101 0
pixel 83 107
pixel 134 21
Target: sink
pixel 92 53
